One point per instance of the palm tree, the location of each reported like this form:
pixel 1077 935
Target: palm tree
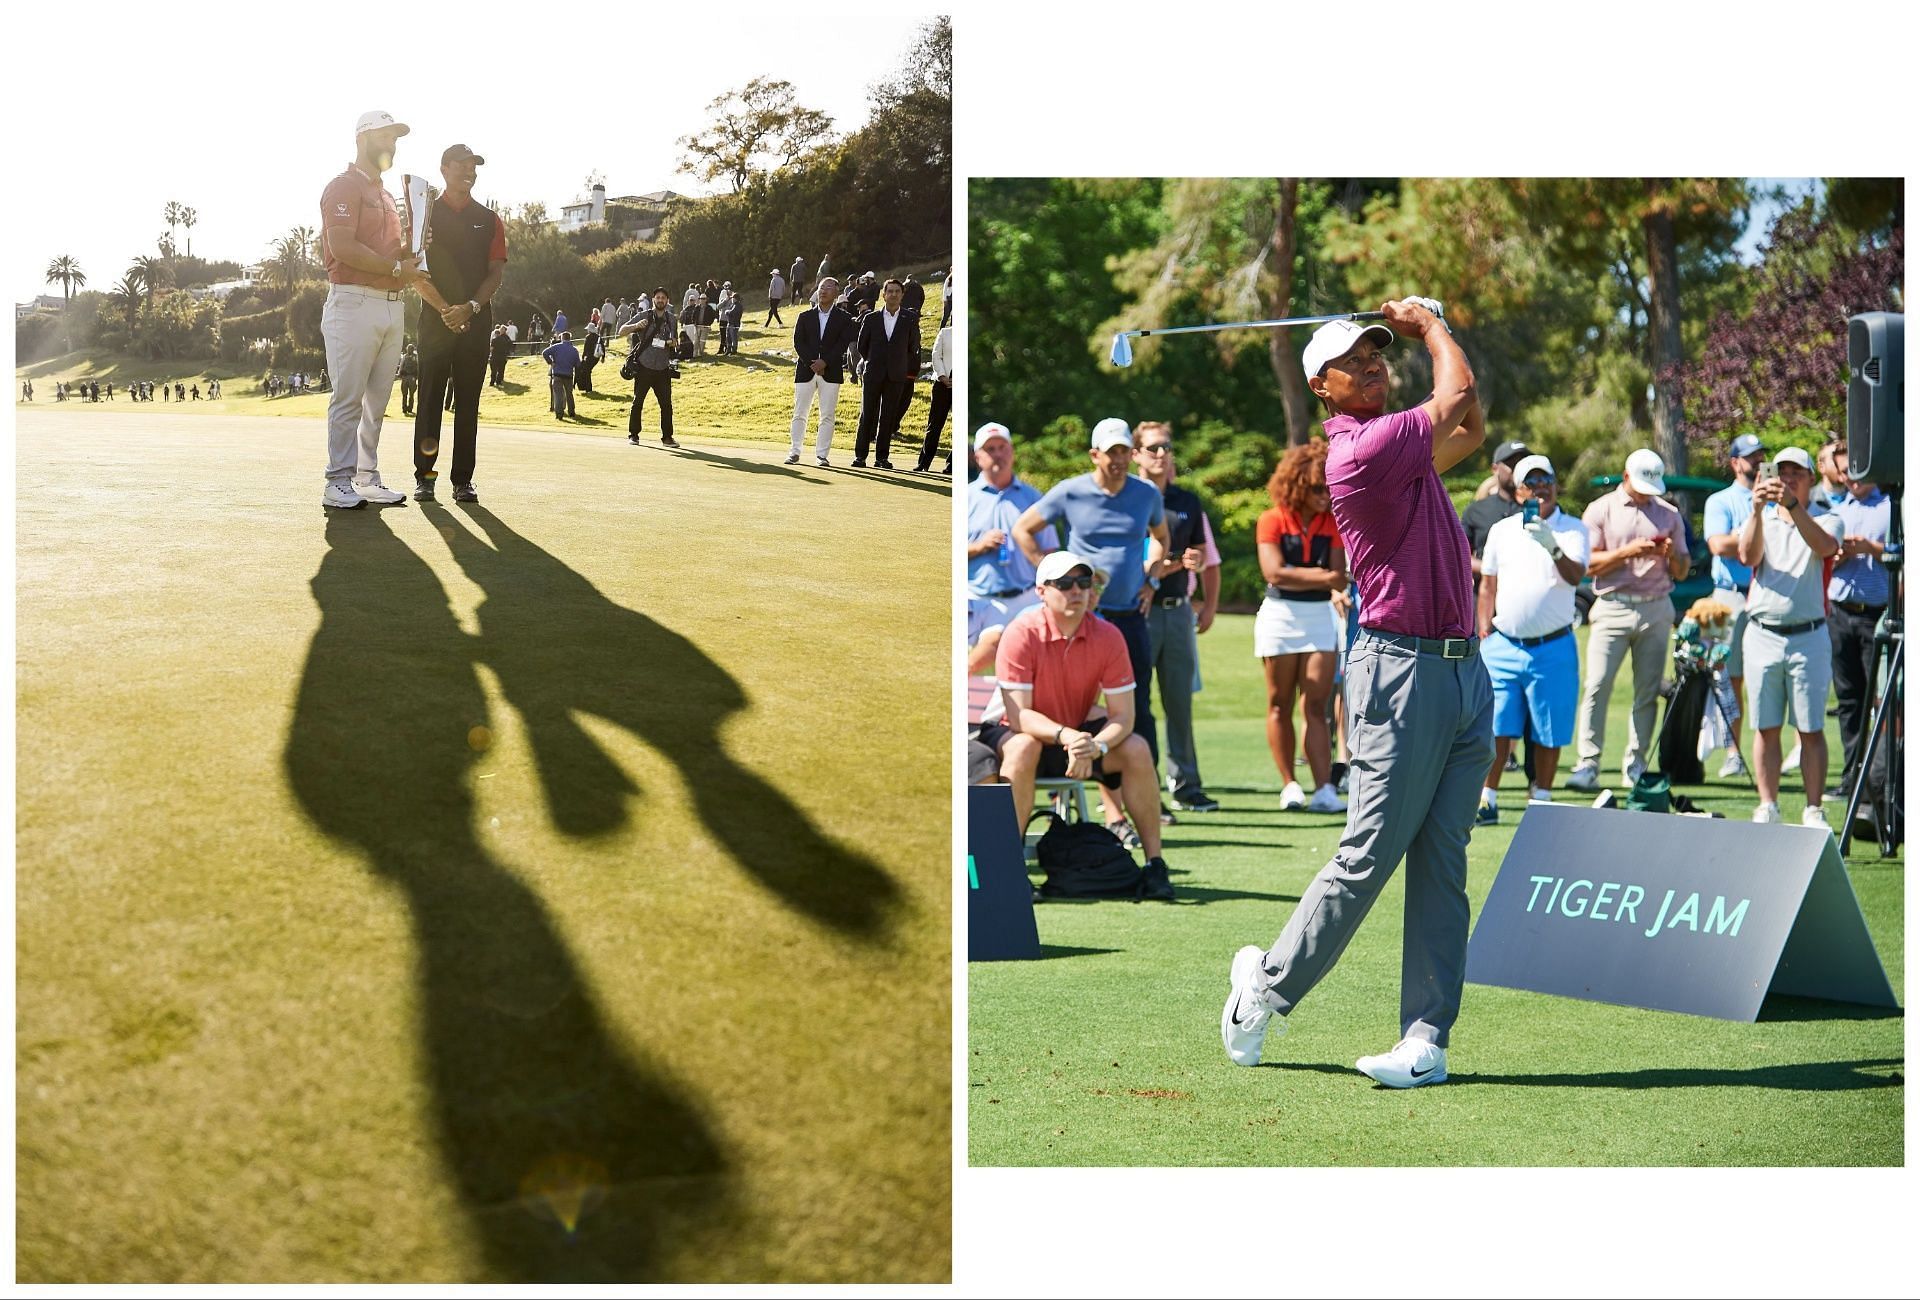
pixel 67 271
pixel 304 234
pixel 289 265
pixel 152 273
pixel 128 294
pixel 166 244
pixel 188 218
pixel 173 219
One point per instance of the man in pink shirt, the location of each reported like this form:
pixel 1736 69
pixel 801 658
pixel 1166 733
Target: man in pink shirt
pixel 364 321
pixel 1639 550
pixel 1054 663
pixel 1419 703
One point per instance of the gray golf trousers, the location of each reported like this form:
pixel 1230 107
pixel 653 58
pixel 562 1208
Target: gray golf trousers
pixel 1420 730
pixel 1176 657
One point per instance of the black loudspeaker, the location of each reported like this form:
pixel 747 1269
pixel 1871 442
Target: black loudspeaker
pixel 1876 397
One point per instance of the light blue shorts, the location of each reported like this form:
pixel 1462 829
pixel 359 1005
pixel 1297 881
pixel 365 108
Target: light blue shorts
pixel 1542 681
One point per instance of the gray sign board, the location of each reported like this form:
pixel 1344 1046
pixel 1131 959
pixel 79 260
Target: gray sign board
pixel 1674 913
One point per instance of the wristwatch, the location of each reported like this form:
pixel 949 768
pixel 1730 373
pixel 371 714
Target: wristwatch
pixel 1101 745
pixel 473 306
pixel 1058 735
pixel 395 272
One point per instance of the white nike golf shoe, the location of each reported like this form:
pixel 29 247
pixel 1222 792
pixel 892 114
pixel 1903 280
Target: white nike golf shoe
pixel 1246 1019
pixel 1413 1063
pixel 1585 778
pixel 341 496
pixel 1327 800
pixel 1292 797
pixel 372 489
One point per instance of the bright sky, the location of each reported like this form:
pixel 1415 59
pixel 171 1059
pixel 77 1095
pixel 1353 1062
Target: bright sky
pixel 182 104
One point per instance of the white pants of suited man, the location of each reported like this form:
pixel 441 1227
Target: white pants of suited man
pixel 1615 630
pixel 363 329
pixel 804 396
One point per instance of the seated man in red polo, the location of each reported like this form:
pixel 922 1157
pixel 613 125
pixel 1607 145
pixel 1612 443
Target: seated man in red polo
pixel 1054 662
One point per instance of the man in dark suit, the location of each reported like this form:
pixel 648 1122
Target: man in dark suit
pixel 890 346
pixel 913 295
pixel 821 335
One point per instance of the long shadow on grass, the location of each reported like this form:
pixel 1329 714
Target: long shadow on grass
pixel 748 466
pixel 899 478
pixel 560 648
pixel 575 1158
pixel 1803 1076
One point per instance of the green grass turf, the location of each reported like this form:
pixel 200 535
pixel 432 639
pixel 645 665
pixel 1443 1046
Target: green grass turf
pixel 1108 1052
pixel 317 983
pixel 748 397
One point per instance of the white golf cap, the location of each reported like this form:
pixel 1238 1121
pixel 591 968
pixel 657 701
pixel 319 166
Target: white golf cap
pixel 1646 472
pixel 1058 564
pixel 1336 338
pixel 987 432
pixel 1529 465
pixel 1111 432
pixel 1794 456
pixel 377 120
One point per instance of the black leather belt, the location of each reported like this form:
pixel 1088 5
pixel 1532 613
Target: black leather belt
pixel 1858 607
pixel 1789 629
pixel 1002 595
pixel 1453 647
pixel 1539 640
pixel 1170 602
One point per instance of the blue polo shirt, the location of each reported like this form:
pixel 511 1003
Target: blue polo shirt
pixel 1727 512
pixel 563 357
pixel 1863 578
pixel 1109 530
pixel 989 508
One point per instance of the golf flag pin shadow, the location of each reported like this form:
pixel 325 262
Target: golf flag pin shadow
pixel 1000 925
pixel 1674 914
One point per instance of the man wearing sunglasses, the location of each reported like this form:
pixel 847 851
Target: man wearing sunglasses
pixel 1529 567
pixel 1054 664
pixel 1418 700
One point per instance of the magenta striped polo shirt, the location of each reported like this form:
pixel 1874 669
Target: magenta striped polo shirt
pixel 1404 542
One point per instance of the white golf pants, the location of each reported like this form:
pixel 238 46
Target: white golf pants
pixel 803 395
pixel 363 330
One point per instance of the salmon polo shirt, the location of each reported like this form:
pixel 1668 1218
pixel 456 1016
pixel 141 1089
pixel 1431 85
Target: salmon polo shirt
pixel 1405 545
pixel 360 205
pixel 1067 675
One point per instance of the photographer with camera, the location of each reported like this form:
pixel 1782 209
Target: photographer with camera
pixel 651 366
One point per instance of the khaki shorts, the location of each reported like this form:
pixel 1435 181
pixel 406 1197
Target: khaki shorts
pixel 1787 677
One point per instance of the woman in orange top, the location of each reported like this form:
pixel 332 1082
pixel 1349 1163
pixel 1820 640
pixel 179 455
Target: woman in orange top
pixel 1295 634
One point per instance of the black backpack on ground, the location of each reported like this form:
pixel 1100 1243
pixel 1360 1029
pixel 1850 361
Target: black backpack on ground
pixel 1083 860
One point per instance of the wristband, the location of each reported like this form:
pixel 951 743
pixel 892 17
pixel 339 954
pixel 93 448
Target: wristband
pixel 1059 735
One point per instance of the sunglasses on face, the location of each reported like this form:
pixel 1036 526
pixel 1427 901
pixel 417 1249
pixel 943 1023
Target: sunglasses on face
pixel 1083 581
pixel 1535 481
pixel 1157 447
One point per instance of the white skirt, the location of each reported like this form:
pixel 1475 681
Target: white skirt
pixel 1291 627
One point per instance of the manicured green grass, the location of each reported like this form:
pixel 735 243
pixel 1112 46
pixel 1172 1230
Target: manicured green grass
pixel 399 889
pixel 1108 1051
pixel 748 397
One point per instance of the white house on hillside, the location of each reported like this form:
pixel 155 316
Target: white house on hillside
pixel 641 218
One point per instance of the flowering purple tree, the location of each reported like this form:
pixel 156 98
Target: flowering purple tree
pixel 1783 363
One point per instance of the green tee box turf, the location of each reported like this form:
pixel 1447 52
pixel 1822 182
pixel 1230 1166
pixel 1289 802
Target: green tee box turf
pixel 1674 914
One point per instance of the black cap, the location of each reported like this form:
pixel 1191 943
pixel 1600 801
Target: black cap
pixel 456 151
pixel 1506 451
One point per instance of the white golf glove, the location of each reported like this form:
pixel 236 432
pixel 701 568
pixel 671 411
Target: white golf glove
pixel 1539 532
pixel 1432 305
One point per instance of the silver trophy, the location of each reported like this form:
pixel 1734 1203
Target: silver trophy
pixel 416 203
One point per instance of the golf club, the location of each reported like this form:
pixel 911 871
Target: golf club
pixel 1123 350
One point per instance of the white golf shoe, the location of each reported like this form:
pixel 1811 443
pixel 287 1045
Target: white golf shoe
pixel 1816 816
pixel 1734 766
pixel 1767 814
pixel 379 493
pixel 1632 772
pixel 1585 778
pixel 1327 800
pixel 1292 797
pixel 341 496
pixel 1246 1019
pixel 1412 1063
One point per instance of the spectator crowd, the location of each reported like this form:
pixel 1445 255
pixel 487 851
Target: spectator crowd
pixel 1086 596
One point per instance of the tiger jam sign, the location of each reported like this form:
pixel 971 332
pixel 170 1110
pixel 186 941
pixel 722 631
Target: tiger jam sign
pixel 1674 914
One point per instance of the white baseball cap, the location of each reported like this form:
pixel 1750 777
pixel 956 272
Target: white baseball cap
pixel 1794 456
pixel 377 120
pixel 1646 472
pixel 987 432
pixel 1336 338
pixel 1111 432
pixel 1058 564
pixel 1531 463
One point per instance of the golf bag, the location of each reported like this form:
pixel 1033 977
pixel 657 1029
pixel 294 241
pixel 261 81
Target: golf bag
pixel 1083 860
pixel 1679 751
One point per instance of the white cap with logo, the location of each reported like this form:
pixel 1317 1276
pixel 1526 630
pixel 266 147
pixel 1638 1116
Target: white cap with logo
pixel 376 121
pixel 1646 472
pixel 1794 456
pixel 1058 564
pixel 987 432
pixel 1111 432
pixel 1532 465
pixel 1336 338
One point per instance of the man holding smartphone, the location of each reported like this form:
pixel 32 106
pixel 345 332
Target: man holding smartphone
pixel 1639 552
